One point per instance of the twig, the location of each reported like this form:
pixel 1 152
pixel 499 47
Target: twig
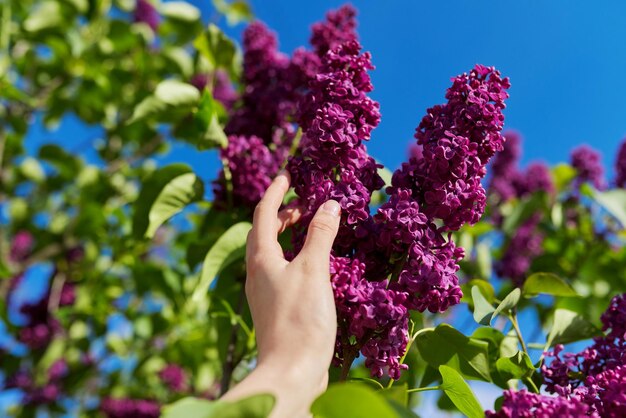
pixel 230 363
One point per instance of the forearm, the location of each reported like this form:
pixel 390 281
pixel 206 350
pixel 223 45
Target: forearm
pixel 295 386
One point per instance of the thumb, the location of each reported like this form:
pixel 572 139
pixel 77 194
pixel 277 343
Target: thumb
pixel 322 232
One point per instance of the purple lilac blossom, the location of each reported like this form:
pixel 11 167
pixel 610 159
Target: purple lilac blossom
pixel 336 117
pixel 596 375
pixel 458 139
pixel 145 12
pixel 508 180
pixel 251 165
pixel 524 404
pixel 174 377
pixel 588 165
pixel 524 246
pixel 130 408
pixel 338 28
pixel 21 246
pixel 504 169
pixel 620 166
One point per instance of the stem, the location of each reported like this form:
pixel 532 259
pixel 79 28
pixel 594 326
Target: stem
pixel 518 332
pixel 230 363
pixel 347 364
pixel 529 382
pixel 423 389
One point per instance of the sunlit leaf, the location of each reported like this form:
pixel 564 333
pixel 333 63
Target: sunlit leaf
pixel 460 393
pixel 547 284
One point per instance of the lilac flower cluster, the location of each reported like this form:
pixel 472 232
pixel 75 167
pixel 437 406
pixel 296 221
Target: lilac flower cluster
pixel 40 394
pixel 597 375
pixel 174 377
pixel 456 140
pixel 127 408
pixel 145 12
pixel 21 246
pixel 521 250
pixel 274 84
pixel 620 166
pixel 41 325
pixel 523 404
pixel 508 180
pixel 339 28
pixel 251 165
pixel 588 165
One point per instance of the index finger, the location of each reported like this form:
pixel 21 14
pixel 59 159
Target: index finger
pixel 264 234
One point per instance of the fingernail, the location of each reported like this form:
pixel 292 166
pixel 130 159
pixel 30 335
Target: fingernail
pixel 283 173
pixel 332 207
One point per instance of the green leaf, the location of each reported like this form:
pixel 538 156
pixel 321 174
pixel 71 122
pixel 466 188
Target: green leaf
pixel 563 175
pixel 174 197
pixel 258 406
pixel 67 164
pixel 168 95
pixel 483 260
pixel 460 393
pixel 614 201
pixel 351 400
pixel 398 393
pixel 522 211
pixel 230 247
pixel 509 302
pixel 518 366
pixel 236 11
pixel 151 190
pixel 207 116
pixel 47 16
pixel 446 345
pixel 568 327
pixel 32 170
pixel 176 93
pixel 483 310
pixel 219 50
pixel 547 284
pixel 180 10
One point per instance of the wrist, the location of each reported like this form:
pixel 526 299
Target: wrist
pixel 307 372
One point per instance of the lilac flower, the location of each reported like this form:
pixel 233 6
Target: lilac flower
pixel 596 375
pixel 58 370
pixel 536 178
pixel 339 28
pixel 505 172
pixel 588 165
pixel 606 392
pixel 365 307
pixel 127 408
pixel 251 165
pixel 525 245
pixel 145 12
pixel 174 377
pixel 267 100
pixel 614 318
pixel 458 138
pixel 21 246
pixel 523 404
pixel 620 166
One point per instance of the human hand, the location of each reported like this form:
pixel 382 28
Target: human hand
pixel 292 304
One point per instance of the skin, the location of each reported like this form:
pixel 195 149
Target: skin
pixel 292 305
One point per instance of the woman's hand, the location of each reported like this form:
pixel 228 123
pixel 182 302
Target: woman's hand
pixel 292 305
